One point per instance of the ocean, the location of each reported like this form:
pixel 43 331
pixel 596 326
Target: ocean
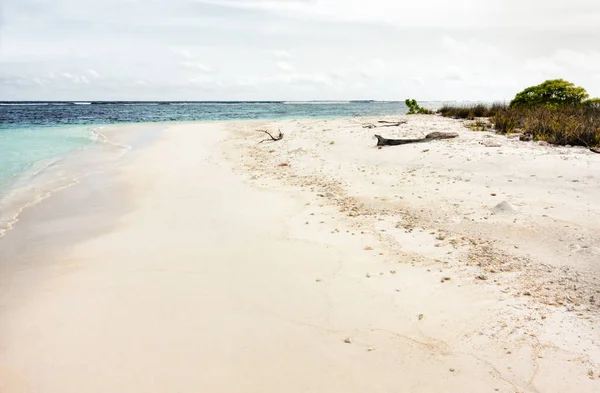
pixel 35 137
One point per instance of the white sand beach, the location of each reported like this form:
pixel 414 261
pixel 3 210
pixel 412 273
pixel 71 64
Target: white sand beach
pixel 203 261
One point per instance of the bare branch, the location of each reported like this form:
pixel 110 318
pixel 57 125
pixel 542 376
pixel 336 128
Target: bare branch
pixel 385 123
pixel 273 139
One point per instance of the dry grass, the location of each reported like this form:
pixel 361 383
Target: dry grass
pixel 575 126
pixel 470 112
pixel 567 125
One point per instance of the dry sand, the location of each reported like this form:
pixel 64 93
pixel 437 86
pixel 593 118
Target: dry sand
pixel 314 264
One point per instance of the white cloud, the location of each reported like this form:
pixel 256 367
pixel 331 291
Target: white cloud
pixel 294 49
pixel 454 45
pixel 77 79
pixel 197 66
pixel 282 54
pixel 93 73
pixel 452 74
pixel 204 80
pixel 284 65
pixel 464 14
pixel 542 65
pixel 182 53
pixel 418 80
pixel 586 60
pixel 191 60
pixel 379 64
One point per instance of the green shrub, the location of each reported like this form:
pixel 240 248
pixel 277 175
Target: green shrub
pixel 555 111
pixel 479 125
pixel 576 125
pixel 414 108
pixel 553 93
pixel 506 121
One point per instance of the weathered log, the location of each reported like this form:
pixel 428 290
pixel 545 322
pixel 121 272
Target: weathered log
pixel 385 123
pixel 272 138
pixel 595 150
pixel 381 141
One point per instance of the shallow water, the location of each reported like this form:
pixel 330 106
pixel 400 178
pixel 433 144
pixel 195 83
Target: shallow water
pixel 37 137
pixel 28 151
pixel 34 134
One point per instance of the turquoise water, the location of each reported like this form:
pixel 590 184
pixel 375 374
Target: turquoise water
pixel 32 134
pixel 27 150
pixel 37 138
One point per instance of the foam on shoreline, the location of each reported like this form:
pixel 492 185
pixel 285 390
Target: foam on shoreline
pixel 44 178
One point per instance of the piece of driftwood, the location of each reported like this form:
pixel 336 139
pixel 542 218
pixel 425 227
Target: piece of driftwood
pixel 595 150
pixel 381 141
pixel 385 123
pixel 272 138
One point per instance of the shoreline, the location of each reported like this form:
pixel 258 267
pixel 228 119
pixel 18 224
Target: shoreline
pixel 207 253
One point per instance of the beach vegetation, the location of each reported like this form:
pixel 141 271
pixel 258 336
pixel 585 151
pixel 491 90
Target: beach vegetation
pixel 592 102
pixel 553 93
pixel 479 125
pixel 470 112
pixel 555 111
pixel 566 125
pixel 414 108
pixel 569 125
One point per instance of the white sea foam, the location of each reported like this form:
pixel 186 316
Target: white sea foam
pixel 315 102
pixel 25 104
pixel 45 177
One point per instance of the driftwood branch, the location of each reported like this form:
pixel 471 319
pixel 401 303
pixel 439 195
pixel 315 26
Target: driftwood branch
pixel 595 150
pixel 385 123
pixel 272 138
pixel 381 141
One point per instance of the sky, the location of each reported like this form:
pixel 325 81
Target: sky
pixel 294 49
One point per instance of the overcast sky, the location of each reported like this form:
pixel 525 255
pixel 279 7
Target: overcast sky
pixel 294 49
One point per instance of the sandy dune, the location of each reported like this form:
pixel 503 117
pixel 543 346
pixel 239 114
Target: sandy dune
pixel 348 269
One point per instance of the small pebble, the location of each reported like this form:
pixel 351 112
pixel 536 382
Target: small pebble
pixel 370 349
pixel 421 316
pixel 348 340
pixel 451 370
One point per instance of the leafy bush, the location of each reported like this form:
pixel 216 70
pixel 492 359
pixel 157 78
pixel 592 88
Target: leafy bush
pixel 555 111
pixel 414 108
pixel 552 94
